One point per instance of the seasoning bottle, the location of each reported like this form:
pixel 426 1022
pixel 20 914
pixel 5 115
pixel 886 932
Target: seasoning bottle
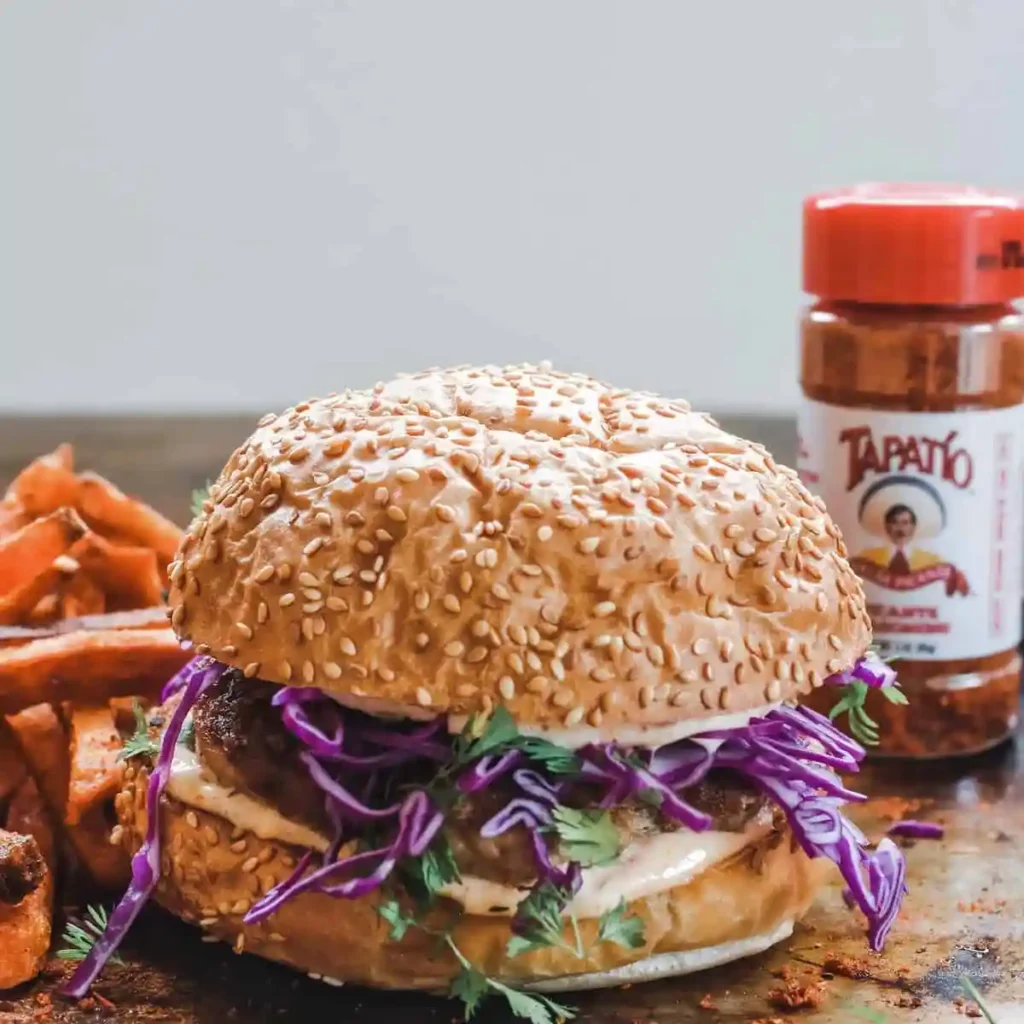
pixel 912 430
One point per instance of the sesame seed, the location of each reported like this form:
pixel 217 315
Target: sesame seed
pixel 604 608
pixel 562 698
pixel 285 600
pixel 445 513
pixel 407 476
pixel 336 604
pixel 764 535
pixel 332 669
pixel 466 690
pixel 313 546
pixel 422 641
pixel 501 592
pixel 574 717
pixel 192 819
pixel 834 642
pixel 451 603
pixel 466 583
pixel 454 649
pixel 308 671
pixel 264 574
pixel 251 670
pixel 423 697
pixel 545 533
pixel 346 646
pixel 601 674
pixel 507 687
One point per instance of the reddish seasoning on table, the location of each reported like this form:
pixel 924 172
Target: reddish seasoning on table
pixel 912 430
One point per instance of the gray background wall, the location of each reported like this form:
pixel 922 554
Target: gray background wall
pixel 233 203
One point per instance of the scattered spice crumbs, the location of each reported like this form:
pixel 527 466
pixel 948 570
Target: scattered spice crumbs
pixel 982 906
pixel 846 966
pixel 895 808
pixel 795 995
pixel 707 1003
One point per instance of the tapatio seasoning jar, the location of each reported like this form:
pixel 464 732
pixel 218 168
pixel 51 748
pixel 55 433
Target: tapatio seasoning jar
pixel 912 430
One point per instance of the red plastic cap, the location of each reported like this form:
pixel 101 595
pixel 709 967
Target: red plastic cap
pixel 928 245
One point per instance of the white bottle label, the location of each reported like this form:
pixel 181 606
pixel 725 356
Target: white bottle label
pixel 931 506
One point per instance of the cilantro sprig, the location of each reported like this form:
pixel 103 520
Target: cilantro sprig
pixel 497 733
pixel 199 497
pixel 587 837
pixel 862 727
pixel 972 992
pixel 80 936
pixel 140 743
pixel 471 986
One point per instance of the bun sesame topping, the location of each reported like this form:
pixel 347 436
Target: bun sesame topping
pixel 458 539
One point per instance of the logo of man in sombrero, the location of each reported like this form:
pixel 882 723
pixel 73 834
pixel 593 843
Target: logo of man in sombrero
pixel 904 511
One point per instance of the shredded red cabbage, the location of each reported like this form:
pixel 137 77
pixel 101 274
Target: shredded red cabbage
pixel 791 754
pixel 196 677
pixel 917 829
pixel 870 669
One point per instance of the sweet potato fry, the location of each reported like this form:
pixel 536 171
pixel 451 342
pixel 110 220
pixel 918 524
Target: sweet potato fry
pixel 80 595
pixel 29 815
pixel 12 517
pixel 25 932
pixel 27 553
pixel 96 773
pixel 36 602
pixel 44 744
pixel 127 575
pixel 88 667
pixel 138 618
pixel 40 736
pixel 47 484
pixel 106 508
pixel 108 865
pixel 12 766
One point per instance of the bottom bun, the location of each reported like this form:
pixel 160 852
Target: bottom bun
pixel 212 873
pixel 666 965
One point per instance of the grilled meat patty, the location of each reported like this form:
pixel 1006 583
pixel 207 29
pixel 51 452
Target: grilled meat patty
pixel 240 738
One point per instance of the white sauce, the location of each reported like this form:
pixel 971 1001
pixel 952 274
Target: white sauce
pixel 647 866
pixel 633 735
pixel 667 965
pixel 195 785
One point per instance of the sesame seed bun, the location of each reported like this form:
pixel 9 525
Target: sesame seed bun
pixel 578 553
pixel 211 873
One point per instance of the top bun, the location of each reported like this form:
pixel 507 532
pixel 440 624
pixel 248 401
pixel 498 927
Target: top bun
pixel 457 539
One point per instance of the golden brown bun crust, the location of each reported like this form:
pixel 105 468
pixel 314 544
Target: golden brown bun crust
pixel 580 554
pixel 211 873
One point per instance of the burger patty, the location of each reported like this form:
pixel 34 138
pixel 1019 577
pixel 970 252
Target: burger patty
pixel 22 868
pixel 240 738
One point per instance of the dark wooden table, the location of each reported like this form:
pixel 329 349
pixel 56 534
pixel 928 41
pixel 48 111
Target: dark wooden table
pixel 964 917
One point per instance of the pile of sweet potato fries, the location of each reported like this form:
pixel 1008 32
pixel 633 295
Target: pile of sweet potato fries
pixel 83 636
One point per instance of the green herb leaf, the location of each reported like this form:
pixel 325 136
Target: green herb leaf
pixel 426 875
pixel 80 936
pixel 539 920
pixel 589 837
pixel 894 695
pixel 859 723
pixel 557 760
pixel 471 986
pixel 141 744
pixel 399 920
pixel 535 1008
pixel 200 497
pixel 972 992
pixel 484 735
pixel 614 926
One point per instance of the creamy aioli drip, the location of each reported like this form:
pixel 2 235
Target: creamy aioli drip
pixel 648 737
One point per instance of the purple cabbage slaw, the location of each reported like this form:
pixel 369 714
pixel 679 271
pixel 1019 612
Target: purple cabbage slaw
pixel 192 681
pixel 791 755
